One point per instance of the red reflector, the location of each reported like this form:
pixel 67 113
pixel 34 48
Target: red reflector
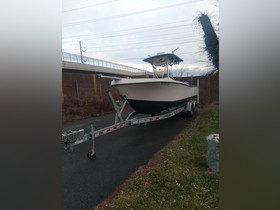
pixel 100 133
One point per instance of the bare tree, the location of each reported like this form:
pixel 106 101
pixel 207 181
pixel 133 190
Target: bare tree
pixel 179 72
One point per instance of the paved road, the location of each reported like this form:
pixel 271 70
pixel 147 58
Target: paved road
pixel 88 182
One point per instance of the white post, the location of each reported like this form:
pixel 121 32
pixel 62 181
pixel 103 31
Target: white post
pixel 197 84
pixel 167 69
pixel 93 140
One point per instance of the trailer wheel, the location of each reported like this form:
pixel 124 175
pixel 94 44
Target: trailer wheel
pixel 190 113
pixel 194 110
pixel 91 156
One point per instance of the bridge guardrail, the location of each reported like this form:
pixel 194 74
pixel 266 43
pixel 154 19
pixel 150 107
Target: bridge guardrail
pixel 97 62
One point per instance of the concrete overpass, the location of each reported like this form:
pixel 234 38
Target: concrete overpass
pixel 73 62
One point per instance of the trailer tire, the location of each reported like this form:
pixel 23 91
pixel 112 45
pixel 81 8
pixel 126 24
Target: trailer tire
pixel 194 110
pixel 91 156
pixel 191 112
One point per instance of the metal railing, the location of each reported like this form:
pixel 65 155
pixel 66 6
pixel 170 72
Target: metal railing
pixel 97 62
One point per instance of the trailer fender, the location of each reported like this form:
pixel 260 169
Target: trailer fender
pixel 190 104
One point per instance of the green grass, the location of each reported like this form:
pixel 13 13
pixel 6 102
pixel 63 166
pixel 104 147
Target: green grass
pixel 178 177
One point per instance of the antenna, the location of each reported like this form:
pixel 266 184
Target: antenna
pixel 175 50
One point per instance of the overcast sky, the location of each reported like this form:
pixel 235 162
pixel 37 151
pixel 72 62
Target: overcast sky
pixel 127 31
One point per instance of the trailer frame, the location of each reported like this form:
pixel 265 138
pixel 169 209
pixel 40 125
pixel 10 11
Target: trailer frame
pixel 73 138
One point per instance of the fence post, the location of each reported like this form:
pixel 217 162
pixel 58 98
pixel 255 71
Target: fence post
pixel 94 83
pixel 77 89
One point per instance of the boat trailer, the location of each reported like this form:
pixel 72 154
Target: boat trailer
pixel 73 138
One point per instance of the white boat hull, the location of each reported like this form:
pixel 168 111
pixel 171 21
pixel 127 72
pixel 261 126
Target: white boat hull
pixel 154 95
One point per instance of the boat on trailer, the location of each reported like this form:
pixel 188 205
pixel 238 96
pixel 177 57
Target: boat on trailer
pixel 157 94
pixel 144 95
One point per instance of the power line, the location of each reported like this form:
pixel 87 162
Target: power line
pixel 79 8
pixel 137 36
pixel 132 13
pixel 113 45
pixel 133 41
pixel 143 47
pixel 144 42
pixel 157 29
pixel 129 29
pixel 142 57
pixel 125 42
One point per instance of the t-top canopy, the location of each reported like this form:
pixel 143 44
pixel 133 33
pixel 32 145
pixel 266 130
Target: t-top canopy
pixel 163 59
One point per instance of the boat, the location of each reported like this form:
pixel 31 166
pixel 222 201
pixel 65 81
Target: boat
pixel 157 94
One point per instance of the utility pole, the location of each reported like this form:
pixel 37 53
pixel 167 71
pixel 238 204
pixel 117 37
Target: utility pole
pixel 81 52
